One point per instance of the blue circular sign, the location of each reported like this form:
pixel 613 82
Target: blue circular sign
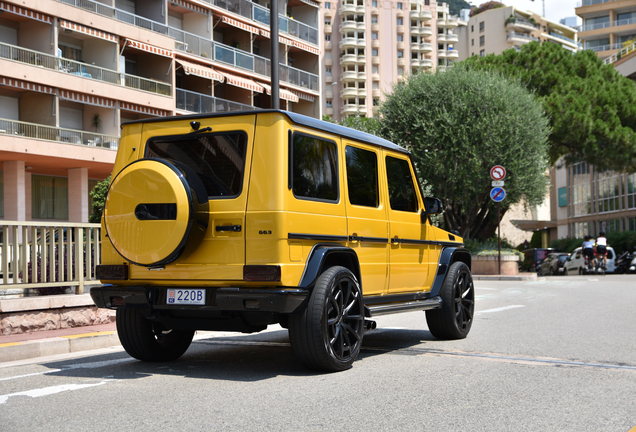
pixel 497 194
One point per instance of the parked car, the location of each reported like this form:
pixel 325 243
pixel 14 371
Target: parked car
pixel 235 221
pixel 534 256
pixel 575 264
pixel 553 264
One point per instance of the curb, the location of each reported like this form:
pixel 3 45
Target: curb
pixel 13 351
pixel 524 277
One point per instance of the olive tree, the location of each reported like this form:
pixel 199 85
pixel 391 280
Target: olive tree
pixel 98 197
pixel 460 123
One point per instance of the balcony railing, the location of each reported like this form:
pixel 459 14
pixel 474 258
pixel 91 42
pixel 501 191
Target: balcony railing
pixel 51 133
pixel 607 24
pixel 200 103
pixel 242 7
pixel 565 38
pixel 72 67
pixel 591 2
pixel 622 53
pixel 36 257
pixel 524 36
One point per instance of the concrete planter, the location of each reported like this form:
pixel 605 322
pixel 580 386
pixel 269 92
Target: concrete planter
pixel 487 265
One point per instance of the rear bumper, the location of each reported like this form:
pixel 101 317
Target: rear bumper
pixel 279 300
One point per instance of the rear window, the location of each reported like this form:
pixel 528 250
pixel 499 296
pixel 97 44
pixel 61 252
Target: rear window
pixel 218 159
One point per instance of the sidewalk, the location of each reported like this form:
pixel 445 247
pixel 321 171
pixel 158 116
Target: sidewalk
pixel 50 342
pixel 517 277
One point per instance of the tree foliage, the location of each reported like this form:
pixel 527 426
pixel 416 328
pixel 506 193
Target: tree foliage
pixel 365 124
pixel 486 6
pixel 592 108
pixel 98 195
pixel 454 6
pixel 460 123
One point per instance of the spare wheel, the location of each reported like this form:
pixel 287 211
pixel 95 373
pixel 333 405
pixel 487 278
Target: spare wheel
pixel 151 210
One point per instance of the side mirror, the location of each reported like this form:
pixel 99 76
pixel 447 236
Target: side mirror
pixel 431 206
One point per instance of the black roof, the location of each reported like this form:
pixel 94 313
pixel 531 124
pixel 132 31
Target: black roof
pixel 298 119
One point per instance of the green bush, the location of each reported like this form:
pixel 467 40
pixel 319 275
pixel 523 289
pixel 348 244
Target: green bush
pixel 489 247
pixel 566 244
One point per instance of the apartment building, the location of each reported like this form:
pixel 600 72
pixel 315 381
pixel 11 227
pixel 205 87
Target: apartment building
pixel 607 25
pixel 496 30
pixel 72 71
pixel 369 45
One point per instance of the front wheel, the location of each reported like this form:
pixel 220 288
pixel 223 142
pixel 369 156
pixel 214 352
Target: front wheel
pixel 326 334
pixel 454 319
pixel 149 341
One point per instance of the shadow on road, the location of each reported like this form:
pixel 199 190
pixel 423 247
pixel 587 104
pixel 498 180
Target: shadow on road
pixel 238 358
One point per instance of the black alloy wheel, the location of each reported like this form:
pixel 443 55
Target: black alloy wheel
pixel 327 333
pixel 455 318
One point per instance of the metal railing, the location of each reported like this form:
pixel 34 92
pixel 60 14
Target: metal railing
pixel 244 8
pixel 200 103
pixel 623 52
pixel 84 70
pixel 603 25
pixel 52 133
pixel 592 2
pixel 562 37
pixel 38 257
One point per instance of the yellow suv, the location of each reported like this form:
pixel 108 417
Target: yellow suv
pixel 240 220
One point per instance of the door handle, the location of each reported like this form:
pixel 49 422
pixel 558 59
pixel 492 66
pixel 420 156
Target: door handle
pixel 231 228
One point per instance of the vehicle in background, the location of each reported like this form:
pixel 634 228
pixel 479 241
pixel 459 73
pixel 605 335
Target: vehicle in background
pixel 533 257
pixel 553 264
pixel 575 264
pixel 624 262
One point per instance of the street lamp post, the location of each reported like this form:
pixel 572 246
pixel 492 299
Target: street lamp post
pixel 273 27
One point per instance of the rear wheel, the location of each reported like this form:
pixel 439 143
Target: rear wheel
pixel 454 319
pixel 149 341
pixel 327 333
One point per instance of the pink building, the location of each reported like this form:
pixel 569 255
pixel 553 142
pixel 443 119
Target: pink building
pixel 369 45
pixel 72 71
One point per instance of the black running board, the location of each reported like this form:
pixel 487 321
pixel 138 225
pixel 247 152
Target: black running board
pixel 390 308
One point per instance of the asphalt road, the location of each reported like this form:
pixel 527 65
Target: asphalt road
pixel 558 354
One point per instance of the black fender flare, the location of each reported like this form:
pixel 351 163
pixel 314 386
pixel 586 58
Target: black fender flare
pixel 448 256
pixel 325 255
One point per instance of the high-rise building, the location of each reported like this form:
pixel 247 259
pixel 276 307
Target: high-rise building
pixel 369 45
pixel 607 25
pixel 496 30
pixel 72 71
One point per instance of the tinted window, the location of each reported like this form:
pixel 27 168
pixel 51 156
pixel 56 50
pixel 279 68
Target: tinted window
pixel 401 190
pixel 314 168
pixel 362 176
pixel 217 159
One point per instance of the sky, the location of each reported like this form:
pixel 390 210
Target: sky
pixel 554 9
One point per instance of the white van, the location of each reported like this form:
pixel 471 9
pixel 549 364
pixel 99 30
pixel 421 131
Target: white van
pixel 575 262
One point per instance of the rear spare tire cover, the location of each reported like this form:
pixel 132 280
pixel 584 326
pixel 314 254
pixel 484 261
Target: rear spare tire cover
pixel 149 212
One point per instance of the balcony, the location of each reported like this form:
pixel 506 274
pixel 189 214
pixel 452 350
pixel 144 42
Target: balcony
pixel 450 37
pixel 84 70
pixel 348 59
pixel 520 24
pixel 562 38
pixel 50 133
pixel 520 37
pixel 349 76
pixel 349 92
pixel 199 103
pixel 415 47
pixel 426 47
pixel 349 26
pixel 426 31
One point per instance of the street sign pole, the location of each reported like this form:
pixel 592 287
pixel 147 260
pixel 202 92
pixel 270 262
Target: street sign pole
pixel 499 238
pixel 498 194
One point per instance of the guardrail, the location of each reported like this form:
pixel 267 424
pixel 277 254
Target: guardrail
pixel 200 103
pixel 84 70
pixel 620 54
pixel 52 133
pixel 38 258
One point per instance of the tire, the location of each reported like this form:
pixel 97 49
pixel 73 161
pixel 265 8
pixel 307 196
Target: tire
pixel 326 334
pixel 455 318
pixel 148 341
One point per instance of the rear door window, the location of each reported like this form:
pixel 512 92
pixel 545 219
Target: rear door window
pixel 218 159
pixel 314 168
pixel 402 195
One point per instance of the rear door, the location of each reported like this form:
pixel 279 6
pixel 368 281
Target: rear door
pixel 220 157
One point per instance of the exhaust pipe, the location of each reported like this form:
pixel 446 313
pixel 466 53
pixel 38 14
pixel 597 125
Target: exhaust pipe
pixel 369 324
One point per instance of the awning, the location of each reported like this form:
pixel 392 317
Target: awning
pixel 26 85
pixel 281 39
pixel 533 225
pixel 305 47
pixel 190 6
pixel 14 9
pixel 87 30
pixel 86 99
pixel 245 83
pixel 241 25
pixel 200 70
pixel 143 109
pixel 305 96
pixel 148 48
pixel 282 93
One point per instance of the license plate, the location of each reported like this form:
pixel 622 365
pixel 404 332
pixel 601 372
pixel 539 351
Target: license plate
pixel 185 296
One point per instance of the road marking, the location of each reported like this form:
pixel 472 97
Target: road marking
pixel 499 309
pixel 89 365
pixel 83 335
pixel 47 391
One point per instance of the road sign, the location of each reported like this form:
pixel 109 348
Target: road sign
pixel 497 172
pixel 497 183
pixel 497 194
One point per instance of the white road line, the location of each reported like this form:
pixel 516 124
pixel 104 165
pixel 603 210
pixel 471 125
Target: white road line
pixel 90 365
pixel 46 391
pixel 500 309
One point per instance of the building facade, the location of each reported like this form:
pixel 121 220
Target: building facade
pixel 496 30
pixel 607 26
pixel 72 71
pixel 369 45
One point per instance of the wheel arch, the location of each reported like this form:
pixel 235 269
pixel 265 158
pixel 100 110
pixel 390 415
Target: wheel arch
pixel 324 256
pixel 447 257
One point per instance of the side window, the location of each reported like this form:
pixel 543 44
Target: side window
pixel 402 194
pixel 362 176
pixel 314 168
